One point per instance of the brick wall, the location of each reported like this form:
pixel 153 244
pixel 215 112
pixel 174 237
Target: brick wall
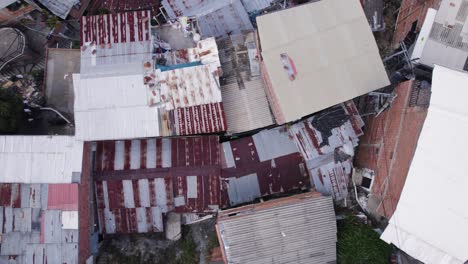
pixel 84 206
pixel 411 11
pixel 388 146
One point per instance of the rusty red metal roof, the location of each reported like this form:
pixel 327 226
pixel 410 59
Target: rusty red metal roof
pixel 253 167
pixel 116 6
pixel 199 119
pixel 63 197
pixel 137 181
pixel 116 28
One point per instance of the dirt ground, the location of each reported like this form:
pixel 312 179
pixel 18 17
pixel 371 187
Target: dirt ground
pixel 195 246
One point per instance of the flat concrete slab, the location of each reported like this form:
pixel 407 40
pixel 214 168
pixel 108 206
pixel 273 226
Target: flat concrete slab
pixel 61 64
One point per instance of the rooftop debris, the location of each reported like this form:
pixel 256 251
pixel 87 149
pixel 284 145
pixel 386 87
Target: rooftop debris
pixel 413 224
pixel 39 223
pixel 360 70
pixel 280 231
pixel 327 141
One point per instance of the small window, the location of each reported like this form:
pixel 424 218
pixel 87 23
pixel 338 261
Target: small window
pixel 366 182
pixel 465 68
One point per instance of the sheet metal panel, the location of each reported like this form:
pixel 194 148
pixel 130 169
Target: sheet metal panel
pixel 243 189
pixel 22 220
pixel 52 228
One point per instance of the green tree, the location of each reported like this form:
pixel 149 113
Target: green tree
pixel 11 109
pixel 359 244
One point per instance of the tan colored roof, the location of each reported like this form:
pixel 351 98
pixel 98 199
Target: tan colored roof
pixel 334 52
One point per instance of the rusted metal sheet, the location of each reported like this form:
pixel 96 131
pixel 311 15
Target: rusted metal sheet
pixel 105 30
pixel 250 162
pixel 63 197
pixel 328 147
pixel 139 180
pixel 116 6
pixel 200 119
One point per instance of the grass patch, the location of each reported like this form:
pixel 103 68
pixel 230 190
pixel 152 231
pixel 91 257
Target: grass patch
pixel 359 244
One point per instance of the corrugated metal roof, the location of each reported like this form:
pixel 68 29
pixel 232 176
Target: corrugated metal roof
pixel 200 119
pixel 60 8
pixel 253 167
pixel 317 55
pixel 115 44
pixel 158 175
pixel 113 108
pixel 321 138
pixel 242 87
pixel 187 85
pixel 31 231
pixel 215 18
pixel 40 159
pixel 297 229
pixel 106 30
pixel 437 234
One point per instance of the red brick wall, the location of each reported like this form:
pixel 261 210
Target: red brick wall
pixel 84 206
pixel 388 146
pixel 411 11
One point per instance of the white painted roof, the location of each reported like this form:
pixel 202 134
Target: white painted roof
pixel 113 107
pixel 431 219
pixel 332 47
pixel 39 159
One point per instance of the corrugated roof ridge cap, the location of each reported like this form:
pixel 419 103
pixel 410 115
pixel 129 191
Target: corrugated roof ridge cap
pixel 270 204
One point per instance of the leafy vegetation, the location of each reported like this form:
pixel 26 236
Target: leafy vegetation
pixel 11 109
pixel 359 244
